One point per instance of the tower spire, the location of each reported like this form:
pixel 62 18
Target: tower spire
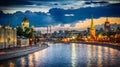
pixel 107 19
pixel 92 31
pixel 92 24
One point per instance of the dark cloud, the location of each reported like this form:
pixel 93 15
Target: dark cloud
pixel 14 2
pixel 38 18
pixel 83 13
pixel 57 15
pixel 30 2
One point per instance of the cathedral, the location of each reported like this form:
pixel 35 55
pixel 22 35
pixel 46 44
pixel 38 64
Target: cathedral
pixel 92 31
pixel 25 23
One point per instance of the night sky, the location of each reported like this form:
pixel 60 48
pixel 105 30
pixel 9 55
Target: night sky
pixel 42 13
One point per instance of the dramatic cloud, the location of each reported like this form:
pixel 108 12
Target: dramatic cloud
pixel 60 16
pixel 44 6
pixel 72 14
pixel 81 25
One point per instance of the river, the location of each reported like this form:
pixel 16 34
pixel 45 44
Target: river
pixel 68 55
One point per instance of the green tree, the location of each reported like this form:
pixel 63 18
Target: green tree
pixel 19 31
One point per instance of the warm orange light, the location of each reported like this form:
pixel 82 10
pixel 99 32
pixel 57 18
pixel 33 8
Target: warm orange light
pixel 30 39
pixel 73 37
pixel 65 39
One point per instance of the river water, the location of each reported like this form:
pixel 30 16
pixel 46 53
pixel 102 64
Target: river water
pixel 68 55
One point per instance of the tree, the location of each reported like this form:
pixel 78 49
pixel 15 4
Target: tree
pixel 19 31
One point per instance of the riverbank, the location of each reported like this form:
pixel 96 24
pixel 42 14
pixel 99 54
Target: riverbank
pixel 108 44
pixel 20 51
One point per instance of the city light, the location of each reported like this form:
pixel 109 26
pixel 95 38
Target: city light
pixel 59 33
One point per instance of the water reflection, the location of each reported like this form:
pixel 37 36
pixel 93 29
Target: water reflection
pixel 30 57
pixel 73 58
pixel 11 64
pixel 99 56
pixel 36 54
pixel 68 55
pixel 89 55
pixel 22 62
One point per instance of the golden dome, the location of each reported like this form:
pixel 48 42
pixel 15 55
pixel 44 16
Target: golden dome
pixel 25 20
pixel 0 26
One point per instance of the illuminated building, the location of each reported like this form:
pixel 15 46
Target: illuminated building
pixel 65 39
pixel 8 37
pixel 23 42
pixel 92 31
pixel 25 26
pixel 25 23
pixel 107 25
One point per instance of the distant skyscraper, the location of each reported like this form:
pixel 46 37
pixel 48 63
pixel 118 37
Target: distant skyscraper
pixel 92 31
pixel 25 23
pixel 107 25
pixel 50 30
pixel 33 26
pixel 47 29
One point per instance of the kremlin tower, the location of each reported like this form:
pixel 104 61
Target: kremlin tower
pixel 107 25
pixel 92 31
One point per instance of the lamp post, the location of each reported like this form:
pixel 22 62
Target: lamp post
pixel 30 40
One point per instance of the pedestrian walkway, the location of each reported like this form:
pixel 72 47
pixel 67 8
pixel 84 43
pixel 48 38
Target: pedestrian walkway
pixel 19 51
pixel 15 49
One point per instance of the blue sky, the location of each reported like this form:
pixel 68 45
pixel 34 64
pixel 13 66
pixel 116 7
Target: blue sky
pixel 43 13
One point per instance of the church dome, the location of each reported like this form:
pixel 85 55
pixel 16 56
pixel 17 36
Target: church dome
pixel 25 20
pixel 25 23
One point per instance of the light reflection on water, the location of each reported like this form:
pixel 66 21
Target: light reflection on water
pixel 22 62
pixel 73 58
pixel 11 64
pixel 68 55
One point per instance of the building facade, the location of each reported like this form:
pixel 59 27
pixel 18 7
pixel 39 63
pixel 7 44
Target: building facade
pixel 8 37
pixel 21 42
